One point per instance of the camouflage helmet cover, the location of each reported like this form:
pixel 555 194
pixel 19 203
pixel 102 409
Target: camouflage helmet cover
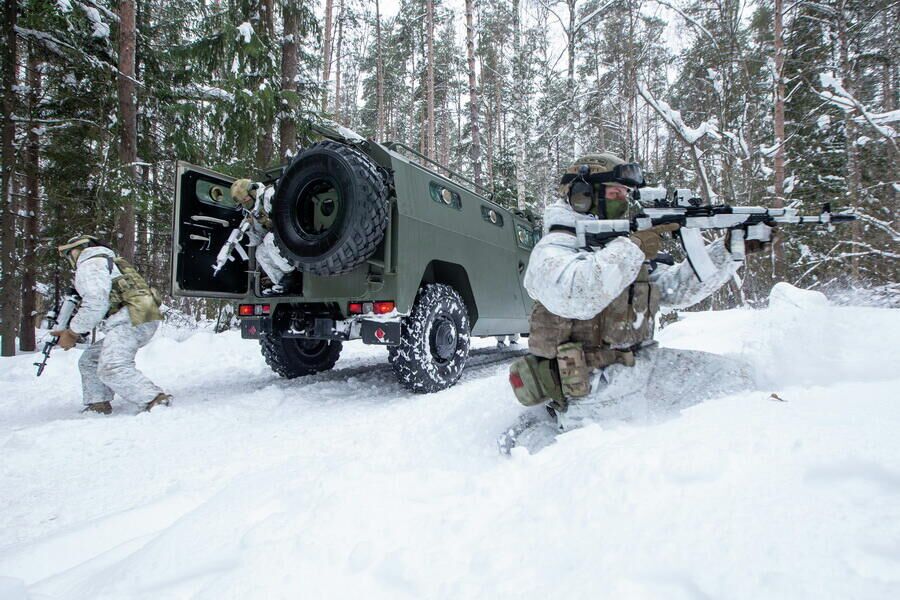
pixel 597 162
pixel 76 241
pixel 242 191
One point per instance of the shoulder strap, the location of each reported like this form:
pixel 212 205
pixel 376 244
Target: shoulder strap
pixel 109 261
pixel 562 228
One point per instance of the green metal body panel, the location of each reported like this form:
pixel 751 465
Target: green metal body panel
pixel 440 231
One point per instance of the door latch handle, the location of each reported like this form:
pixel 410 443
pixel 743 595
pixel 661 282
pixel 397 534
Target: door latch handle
pixel 521 267
pixel 221 222
pixel 207 241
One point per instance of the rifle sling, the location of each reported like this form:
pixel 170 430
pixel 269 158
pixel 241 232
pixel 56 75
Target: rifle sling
pixel 562 228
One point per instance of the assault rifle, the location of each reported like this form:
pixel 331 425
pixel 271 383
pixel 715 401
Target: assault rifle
pixel 237 235
pixel 57 320
pixel 684 209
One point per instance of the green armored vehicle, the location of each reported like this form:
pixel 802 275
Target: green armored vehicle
pixel 386 250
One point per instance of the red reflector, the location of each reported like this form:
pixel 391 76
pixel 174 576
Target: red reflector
pixel 515 380
pixel 245 310
pixel 382 308
pixel 266 309
pixel 355 308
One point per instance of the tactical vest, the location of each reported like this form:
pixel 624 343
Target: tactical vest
pixel 131 290
pixel 624 324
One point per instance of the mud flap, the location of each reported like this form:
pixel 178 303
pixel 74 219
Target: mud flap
pixel 253 327
pixel 380 333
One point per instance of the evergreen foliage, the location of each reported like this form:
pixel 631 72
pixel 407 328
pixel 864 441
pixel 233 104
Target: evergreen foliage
pixel 210 90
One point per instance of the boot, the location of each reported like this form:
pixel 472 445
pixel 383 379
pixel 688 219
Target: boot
pixel 103 408
pixel 160 400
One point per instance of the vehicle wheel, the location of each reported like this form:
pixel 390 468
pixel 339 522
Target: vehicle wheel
pixel 330 210
pixel 434 343
pixel 295 357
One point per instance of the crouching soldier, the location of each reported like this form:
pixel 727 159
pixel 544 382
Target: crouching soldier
pixel 595 307
pixel 116 297
pixel 275 266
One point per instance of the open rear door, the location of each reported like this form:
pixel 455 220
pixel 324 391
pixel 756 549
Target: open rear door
pixel 205 215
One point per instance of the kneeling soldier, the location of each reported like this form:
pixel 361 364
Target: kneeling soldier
pixel 596 307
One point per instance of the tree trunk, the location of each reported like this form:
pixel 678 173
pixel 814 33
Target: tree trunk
pixel 287 129
pixel 777 247
pixel 32 205
pixel 519 102
pixel 854 176
pixel 475 148
pixel 8 288
pixel 338 59
pixel 379 77
pixel 264 143
pixel 888 102
pixel 429 81
pixel 570 73
pixel 127 130
pixel 326 58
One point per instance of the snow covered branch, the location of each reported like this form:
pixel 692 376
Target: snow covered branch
pixel 691 136
pixel 690 20
pixel 882 225
pixel 845 101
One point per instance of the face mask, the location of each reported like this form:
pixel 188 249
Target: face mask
pixel 616 204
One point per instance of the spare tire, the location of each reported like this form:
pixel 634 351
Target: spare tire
pixel 330 210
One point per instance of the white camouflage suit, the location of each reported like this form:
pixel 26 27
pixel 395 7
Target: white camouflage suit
pixel 268 256
pixel 107 366
pixel 576 283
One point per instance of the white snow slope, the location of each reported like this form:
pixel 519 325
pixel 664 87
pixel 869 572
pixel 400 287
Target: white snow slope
pixel 345 486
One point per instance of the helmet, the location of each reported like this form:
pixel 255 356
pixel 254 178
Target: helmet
pixel 243 191
pixel 597 183
pixel 77 241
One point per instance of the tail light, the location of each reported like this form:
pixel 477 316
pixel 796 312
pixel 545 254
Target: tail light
pixel 250 310
pixel 382 307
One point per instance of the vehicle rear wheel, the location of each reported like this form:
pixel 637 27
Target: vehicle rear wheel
pixel 295 357
pixel 434 343
pixel 331 210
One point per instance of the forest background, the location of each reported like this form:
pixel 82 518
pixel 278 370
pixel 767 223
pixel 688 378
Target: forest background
pixel 750 102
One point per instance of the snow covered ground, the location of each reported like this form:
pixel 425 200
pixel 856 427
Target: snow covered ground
pixel 345 486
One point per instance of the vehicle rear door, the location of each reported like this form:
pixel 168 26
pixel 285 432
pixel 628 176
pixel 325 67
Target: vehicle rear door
pixel 204 216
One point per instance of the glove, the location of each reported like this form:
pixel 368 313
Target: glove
pixel 650 240
pixel 67 338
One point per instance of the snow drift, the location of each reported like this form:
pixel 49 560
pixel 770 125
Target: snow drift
pixel 343 485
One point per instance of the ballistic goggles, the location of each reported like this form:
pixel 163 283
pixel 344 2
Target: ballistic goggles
pixel 628 174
